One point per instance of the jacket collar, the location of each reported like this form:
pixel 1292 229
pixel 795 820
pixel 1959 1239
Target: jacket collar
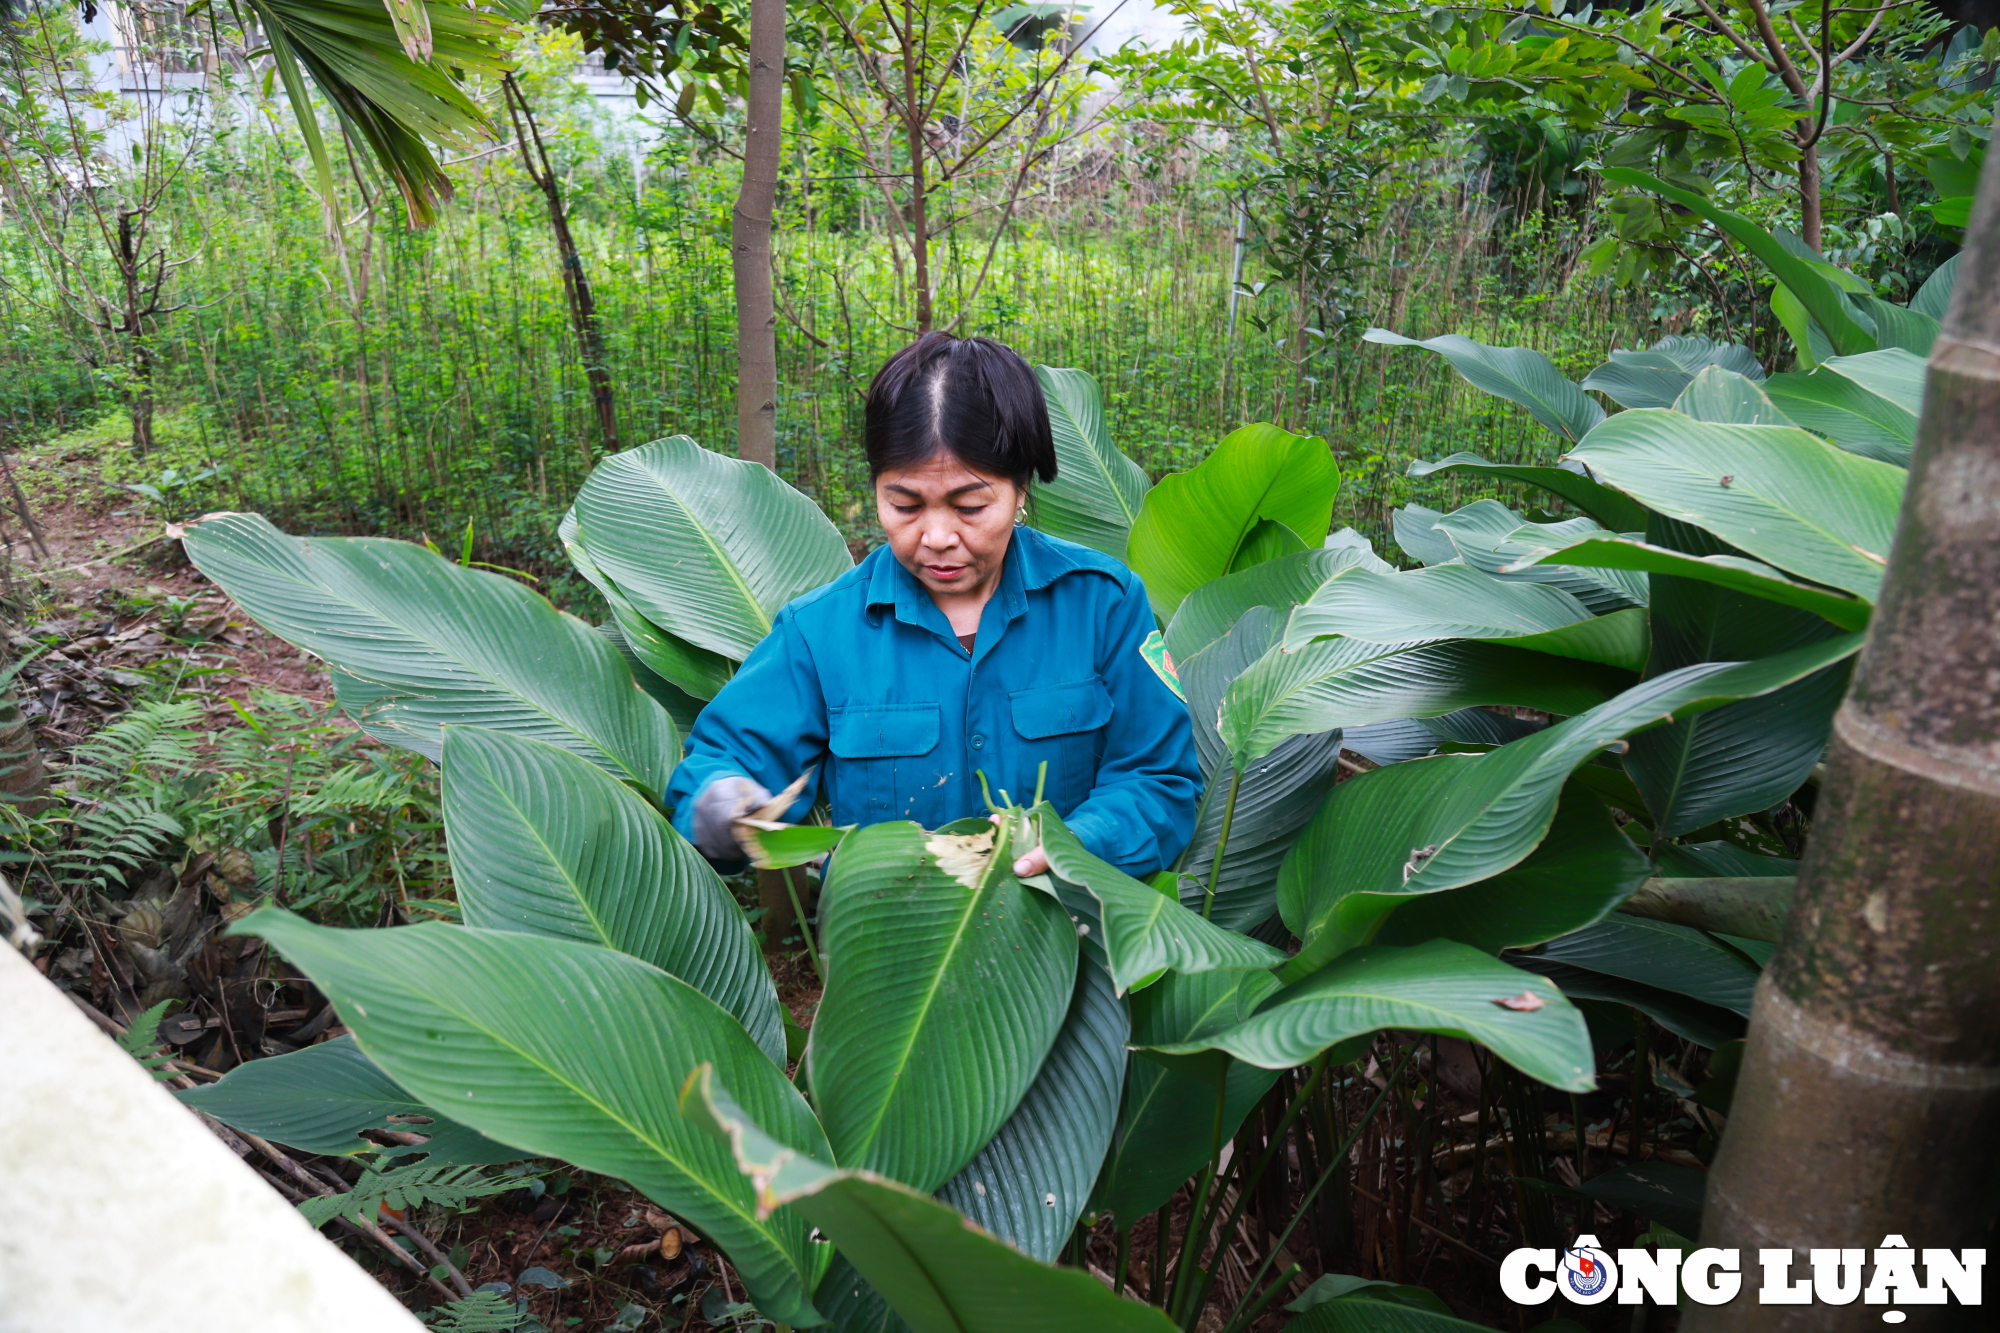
pixel 1033 562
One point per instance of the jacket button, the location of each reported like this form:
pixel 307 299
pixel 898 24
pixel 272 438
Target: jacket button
pixel 978 742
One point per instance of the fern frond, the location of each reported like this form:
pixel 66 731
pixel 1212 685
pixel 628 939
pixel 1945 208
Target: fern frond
pixel 352 790
pixel 142 1042
pixel 117 837
pixel 408 1187
pixel 153 738
pixel 482 1312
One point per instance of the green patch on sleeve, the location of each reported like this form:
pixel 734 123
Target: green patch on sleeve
pixel 1154 650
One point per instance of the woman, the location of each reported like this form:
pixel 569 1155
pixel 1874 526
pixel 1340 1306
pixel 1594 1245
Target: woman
pixel 968 645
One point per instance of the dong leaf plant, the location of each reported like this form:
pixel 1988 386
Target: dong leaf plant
pixel 1561 718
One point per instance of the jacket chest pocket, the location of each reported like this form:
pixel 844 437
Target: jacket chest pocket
pixel 1063 724
pixel 879 759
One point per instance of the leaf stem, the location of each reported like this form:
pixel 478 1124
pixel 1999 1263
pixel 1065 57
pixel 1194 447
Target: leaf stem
pixel 1162 1223
pixel 1240 1318
pixel 1200 1215
pixel 805 931
pixel 1246 1184
pixel 1221 843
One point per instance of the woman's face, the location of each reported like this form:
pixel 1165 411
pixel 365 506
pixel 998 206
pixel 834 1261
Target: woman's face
pixel 948 524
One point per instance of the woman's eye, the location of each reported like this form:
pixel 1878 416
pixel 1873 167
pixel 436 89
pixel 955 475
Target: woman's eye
pixel 972 511
pixel 907 509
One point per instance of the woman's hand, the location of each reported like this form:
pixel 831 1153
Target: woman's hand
pixel 715 812
pixel 1033 862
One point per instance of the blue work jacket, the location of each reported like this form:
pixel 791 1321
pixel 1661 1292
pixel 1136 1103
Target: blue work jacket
pixel 864 681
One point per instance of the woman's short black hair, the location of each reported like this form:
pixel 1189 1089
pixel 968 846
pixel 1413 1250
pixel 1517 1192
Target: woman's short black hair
pixel 972 398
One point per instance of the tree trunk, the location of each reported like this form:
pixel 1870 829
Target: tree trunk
pixel 140 399
pixel 750 242
pixel 1809 195
pixel 1869 1100
pixel 139 367
pixel 576 283
pixel 913 120
pixel 757 321
pixel 22 775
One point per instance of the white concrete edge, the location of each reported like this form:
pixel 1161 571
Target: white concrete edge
pixel 125 1213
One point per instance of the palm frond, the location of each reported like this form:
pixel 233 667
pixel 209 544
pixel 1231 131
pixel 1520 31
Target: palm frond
pixel 354 52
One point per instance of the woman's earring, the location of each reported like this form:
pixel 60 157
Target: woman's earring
pixel 1021 517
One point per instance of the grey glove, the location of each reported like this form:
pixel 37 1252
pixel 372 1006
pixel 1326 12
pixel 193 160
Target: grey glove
pixel 715 811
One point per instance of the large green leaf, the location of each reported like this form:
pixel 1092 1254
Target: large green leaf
pixel 1207 676
pixel 1657 376
pixel 1416 529
pixel 1333 683
pixel 571 1051
pixel 1820 297
pixel 1266 542
pixel 681 706
pixel 947 980
pixel 1723 395
pixel 1898 328
pixel 1193 524
pixel 1440 986
pixel 1745 756
pixel 1331 893
pixel 1168 1124
pixel 1278 794
pixel 1518 374
pixel 320 1098
pixel 1780 494
pixel 941 1274
pixel 1721 860
pixel 1097 492
pixel 1867 404
pixel 1618 512
pixel 1490 538
pixel 1934 297
pixel 1665 1192
pixel 1703 1024
pixel 706 547
pixel 1460 602
pixel 545 843
pixel 1144 930
pixel 1658 953
pixel 696 672
pixel 1578 875
pixel 1441 823
pixel 1614 551
pixel 416 642
pixel 1032 1179
pixel 1210 610
pixel 1370 1312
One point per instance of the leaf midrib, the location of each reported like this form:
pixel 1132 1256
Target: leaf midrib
pixel 1868 560
pixel 722 557
pixel 659 1150
pixel 327 590
pixel 1102 461
pixel 893 1084
pixel 1459 1018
